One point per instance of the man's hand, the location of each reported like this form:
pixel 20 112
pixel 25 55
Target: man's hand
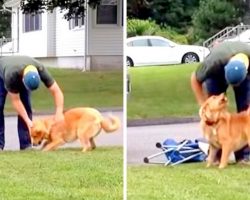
pixel 248 110
pixel 29 125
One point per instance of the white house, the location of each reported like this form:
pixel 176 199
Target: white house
pixel 61 43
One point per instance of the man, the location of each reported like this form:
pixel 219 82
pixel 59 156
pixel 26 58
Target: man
pixel 227 64
pixel 19 75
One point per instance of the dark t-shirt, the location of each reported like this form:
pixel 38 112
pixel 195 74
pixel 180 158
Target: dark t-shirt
pixel 214 63
pixel 11 71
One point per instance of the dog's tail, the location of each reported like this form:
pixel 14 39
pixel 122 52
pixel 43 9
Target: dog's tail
pixel 110 124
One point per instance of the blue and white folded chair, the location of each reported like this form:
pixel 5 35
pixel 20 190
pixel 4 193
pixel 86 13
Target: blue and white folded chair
pixel 180 152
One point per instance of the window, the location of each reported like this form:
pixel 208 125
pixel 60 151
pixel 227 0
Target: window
pixel 32 22
pixel 76 22
pixel 158 43
pixel 107 12
pixel 140 43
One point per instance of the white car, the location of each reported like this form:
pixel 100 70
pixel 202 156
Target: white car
pixel 156 50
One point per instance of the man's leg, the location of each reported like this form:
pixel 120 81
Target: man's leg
pixel 3 94
pixel 242 97
pixel 23 132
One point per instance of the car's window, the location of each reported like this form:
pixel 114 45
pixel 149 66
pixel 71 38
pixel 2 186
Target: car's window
pixel 140 43
pixel 159 43
pixel 130 44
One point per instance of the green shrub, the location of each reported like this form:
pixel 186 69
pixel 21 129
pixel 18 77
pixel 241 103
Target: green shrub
pixel 172 35
pixel 136 27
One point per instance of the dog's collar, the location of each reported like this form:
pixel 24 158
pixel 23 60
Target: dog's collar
pixel 211 123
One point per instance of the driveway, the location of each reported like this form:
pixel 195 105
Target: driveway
pixel 141 140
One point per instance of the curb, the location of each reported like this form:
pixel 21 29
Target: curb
pixel 161 121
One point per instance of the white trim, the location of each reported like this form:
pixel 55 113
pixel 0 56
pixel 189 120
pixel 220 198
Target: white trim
pixel 109 2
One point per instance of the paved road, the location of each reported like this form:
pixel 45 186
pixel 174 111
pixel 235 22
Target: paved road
pixel 141 140
pixel 113 139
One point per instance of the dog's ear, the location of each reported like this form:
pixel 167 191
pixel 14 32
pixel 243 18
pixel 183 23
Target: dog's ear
pixel 205 112
pixel 203 109
pixel 222 95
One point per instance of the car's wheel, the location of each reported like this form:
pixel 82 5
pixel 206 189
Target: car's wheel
pixel 129 62
pixel 190 58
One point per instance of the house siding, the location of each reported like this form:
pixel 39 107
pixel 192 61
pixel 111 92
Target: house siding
pixel 108 46
pixel 51 34
pixel 105 39
pixel 69 42
pixel 105 43
pixel 59 46
pixel 33 43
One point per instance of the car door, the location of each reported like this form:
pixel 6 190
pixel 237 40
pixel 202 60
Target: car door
pixel 163 50
pixel 140 51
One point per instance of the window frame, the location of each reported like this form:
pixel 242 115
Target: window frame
pixel 32 22
pixel 80 23
pixel 119 15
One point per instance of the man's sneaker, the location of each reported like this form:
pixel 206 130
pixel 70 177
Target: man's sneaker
pixel 244 161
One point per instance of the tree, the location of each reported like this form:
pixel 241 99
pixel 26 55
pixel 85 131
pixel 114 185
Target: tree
pixel 212 16
pixel 75 8
pixel 139 9
pixel 5 23
pixel 175 14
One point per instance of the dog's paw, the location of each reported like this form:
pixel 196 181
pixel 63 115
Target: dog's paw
pixel 208 165
pixel 86 150
pixel 222 166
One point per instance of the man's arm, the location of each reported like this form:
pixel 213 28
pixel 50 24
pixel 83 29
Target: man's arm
pixel 19 107
pixel 58 99
pixel 197 89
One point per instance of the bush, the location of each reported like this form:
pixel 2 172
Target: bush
pixel 137 27
pixel 172 35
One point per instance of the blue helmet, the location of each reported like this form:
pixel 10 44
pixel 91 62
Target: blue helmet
pixel 31 78
pixel 235 72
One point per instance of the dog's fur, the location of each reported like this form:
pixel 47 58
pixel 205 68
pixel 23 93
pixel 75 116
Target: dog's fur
pixel 227 131
pixel 79 123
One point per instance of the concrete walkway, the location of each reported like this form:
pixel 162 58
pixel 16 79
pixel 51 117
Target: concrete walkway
pixel 113 139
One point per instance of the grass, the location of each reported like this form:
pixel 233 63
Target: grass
pixel 95 89
pixel 162 91
pixel 62 174
pixel 189 182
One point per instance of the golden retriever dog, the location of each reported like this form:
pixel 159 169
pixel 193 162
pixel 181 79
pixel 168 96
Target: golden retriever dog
pixel 79 123
pixel 223 130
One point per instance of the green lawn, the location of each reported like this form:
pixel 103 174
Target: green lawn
pixel 188 182
pixel 65 174
pixel 95 89
pixel 165 91
pixel 162 91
